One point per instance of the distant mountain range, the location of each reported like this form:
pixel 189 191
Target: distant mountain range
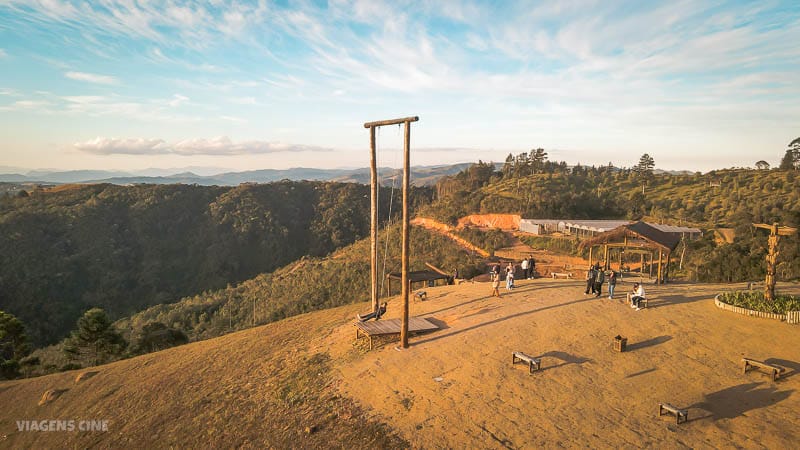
pixel 420 176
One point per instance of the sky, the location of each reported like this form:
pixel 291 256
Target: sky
pixel 244 85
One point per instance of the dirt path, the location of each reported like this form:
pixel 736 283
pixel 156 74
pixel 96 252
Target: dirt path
pixel 447 231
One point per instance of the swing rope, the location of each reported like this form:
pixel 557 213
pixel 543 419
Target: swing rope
pixel 388 222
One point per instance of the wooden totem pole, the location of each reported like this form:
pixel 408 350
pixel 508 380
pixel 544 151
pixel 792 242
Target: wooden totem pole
pixel 772 255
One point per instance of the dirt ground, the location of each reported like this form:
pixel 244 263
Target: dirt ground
pixel 305 382
pixel 457 388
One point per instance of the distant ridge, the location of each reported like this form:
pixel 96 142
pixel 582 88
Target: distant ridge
pixel 420 176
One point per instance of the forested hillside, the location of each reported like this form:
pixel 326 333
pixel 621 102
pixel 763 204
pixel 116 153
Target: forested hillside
pixel 124 248
pixel 307 285
pixel 732 198
pixel 717 198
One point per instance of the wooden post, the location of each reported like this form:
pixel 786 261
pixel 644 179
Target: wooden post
pixel 404 265
pixel 373 229
pixel 659 280
pixel 605 257
pixel 641 262
pixel 621 252
pixel 772 256
pixel 590 255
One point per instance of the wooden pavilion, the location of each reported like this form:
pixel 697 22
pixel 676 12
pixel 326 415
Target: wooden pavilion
pixel 641 238
pixel 428 277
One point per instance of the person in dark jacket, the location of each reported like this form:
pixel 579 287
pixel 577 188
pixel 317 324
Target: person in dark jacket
pixel 590 274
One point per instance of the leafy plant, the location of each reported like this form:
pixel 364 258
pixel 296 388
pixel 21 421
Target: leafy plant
pixel 754 300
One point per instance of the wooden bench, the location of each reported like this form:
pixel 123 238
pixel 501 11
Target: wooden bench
pixel 642 302
pixel 561 275
pixel 421 295
pixel 679 413
pixel 533 363
pixel 776 370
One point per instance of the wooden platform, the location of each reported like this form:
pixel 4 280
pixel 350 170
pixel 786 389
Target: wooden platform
pixel 392 326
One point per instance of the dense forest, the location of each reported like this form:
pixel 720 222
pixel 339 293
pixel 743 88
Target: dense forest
pixel 207 260
pixel 309 284
pixel 730 198
pixel 124 248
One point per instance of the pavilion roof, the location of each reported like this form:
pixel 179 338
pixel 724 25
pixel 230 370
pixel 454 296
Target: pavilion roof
pixel 647 235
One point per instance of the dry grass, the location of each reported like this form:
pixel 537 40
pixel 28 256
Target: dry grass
pixel 304 382
pixel 269 387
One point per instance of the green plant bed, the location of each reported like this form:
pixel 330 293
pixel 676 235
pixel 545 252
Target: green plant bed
pixel 754 300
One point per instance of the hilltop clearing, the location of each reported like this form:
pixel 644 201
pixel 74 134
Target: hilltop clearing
pixel 303 383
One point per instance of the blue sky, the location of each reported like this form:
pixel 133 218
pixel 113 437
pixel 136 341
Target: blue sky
pixel 250 85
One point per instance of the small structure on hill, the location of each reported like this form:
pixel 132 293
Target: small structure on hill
pixel 429 277
pixel 640 236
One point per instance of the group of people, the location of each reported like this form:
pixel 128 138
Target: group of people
pixel 528 267
pixel 595 277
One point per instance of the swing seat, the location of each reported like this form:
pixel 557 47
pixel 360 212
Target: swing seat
pixel 373 315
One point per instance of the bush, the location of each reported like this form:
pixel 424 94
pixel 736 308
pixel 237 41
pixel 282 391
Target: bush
pixel 489 240
pixel 755 301
pixel 567 246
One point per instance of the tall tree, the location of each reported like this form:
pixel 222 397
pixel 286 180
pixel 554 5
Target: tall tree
pixel 538 157
pixel 762 165
pixel 508 167
pixel 96 338
pixel 791 159
pixel 645 169
pixel 13 345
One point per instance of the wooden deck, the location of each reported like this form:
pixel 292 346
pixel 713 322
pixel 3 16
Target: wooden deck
pixel 392 326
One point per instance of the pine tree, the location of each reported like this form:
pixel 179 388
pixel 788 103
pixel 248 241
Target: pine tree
pixel 13 345
pixel 95 338
pixel 645 169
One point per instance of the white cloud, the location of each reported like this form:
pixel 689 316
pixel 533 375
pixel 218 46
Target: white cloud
pixel 220 146
pixel 91 77
pixel 114 146
pixel 3 53
pixel 177 100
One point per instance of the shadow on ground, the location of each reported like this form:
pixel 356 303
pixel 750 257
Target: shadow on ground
pixel 648 343
pixel 734 401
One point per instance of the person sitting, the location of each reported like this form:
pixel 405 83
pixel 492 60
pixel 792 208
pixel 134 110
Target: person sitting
pixel 374 314
pixel 637 295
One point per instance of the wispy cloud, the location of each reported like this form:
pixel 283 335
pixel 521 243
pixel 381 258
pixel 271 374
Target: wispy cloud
pixel 220 146
pixel 3 53
pixel 91 77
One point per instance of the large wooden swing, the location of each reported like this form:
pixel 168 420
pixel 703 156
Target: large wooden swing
pixel 374 217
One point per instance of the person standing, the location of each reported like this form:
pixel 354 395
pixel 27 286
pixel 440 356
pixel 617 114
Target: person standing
pixel 599 279
pixel 510 280
pixel 531 267
pixel 612 283
pixel 589 280
pixel 495 285
pixel 525 270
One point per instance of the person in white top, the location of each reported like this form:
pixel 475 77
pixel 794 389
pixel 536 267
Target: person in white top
pixel 637 296
pixel 524 266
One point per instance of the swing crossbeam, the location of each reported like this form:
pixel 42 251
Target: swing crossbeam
pixel 381 123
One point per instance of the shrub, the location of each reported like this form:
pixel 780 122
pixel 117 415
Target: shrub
pixel 755 301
